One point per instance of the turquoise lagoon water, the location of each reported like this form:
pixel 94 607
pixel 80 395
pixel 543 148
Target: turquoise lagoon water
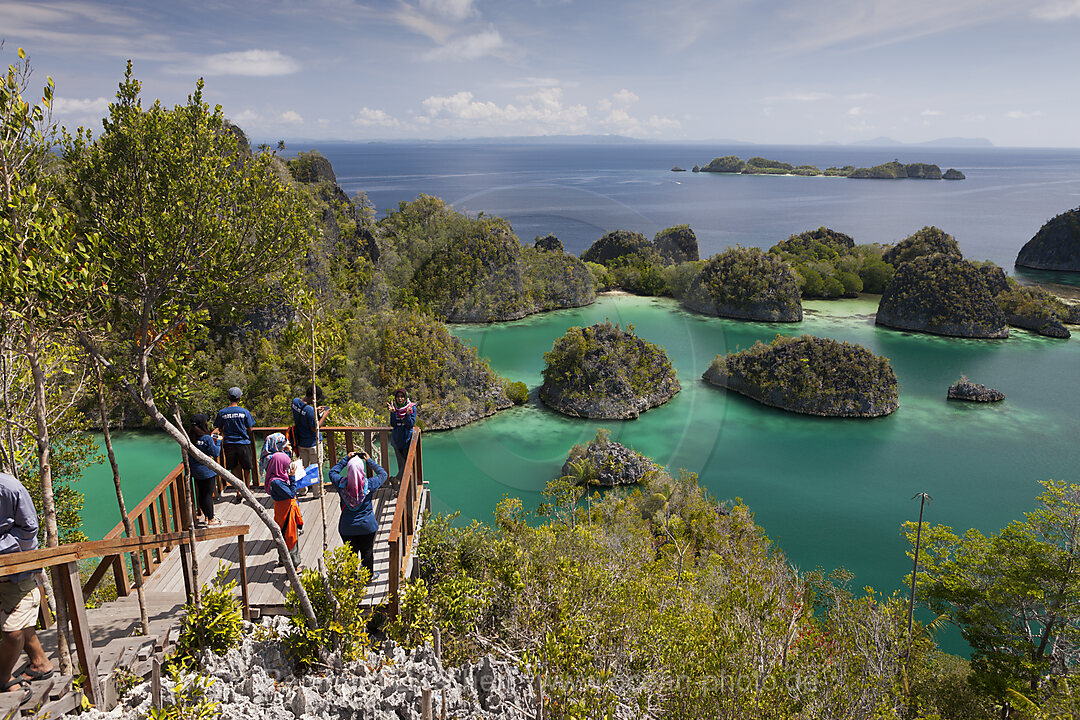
pixel 831 492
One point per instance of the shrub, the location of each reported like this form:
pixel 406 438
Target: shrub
pixel 518 392
pixel 216 625
pixel 342 621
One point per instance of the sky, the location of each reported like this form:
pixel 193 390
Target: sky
pixel 764 71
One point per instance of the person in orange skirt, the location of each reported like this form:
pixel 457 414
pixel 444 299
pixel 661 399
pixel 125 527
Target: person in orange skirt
pixel 286 511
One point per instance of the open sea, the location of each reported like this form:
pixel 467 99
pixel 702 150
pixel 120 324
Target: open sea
pixel 830 492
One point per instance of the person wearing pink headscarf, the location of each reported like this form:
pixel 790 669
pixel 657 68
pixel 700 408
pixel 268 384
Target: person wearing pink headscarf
pixel 356 478
pixel 286 511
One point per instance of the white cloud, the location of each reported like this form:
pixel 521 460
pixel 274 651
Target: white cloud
pixel 251 118
pixel 452 9
pixel 411 18
pixel 469 47
pixel 621 122
pixel 931 113
pixel 1023 114
pixel 291 117
pixel 624 97
pixel 1057 10
pixel 254 63
pixel 536 82
pixel 367 117
pixel 72 106
pixel 855 111
pixel 801 97
pixel 246 117
pixel 542 111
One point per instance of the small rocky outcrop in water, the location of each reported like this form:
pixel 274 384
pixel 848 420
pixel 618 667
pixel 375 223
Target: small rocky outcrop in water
pixel 953 174
pixel 941 295
pixel 964 389
pixel 1056 246
pixel 678 169
pixel 810 375
pixel 606 463
pixel 748 284
pixel 604 371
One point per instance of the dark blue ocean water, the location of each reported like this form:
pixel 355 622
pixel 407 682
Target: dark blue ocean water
pixel 579 192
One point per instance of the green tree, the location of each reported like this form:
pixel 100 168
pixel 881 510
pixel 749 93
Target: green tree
pixel 192 228
pixel 47 267
pixel 1015 595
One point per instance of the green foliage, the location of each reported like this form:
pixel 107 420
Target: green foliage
pixel 1014 595
pixel 829 264
pixel 1056 246
pixel 415 621
pixel 556 280
pixel 927 241
pixel 726 164
pixel 941 294
pixel 215 625
pixel 1034 303
pixel 617 244
pixel 342 620
pixel 676 244
pixel 602 277
pixel 518 392
pixel 760 166
pixel 817 376
pixel 549 243
pixel 635 274
pixel 679 277
pixel 748 283
pixel 194 226
pixel 604 363
pixel 476 275
pixel 190 701
pixel 667 605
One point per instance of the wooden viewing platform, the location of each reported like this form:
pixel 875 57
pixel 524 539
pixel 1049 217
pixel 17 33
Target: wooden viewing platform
pixel 104 637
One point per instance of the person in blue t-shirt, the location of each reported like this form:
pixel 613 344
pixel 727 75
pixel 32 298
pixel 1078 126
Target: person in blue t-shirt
pixel 304 413
pixel 235 424
pixel 205 478
pixel 357 524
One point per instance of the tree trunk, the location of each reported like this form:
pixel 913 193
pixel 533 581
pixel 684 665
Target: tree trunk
pixel 189 492
pixel 48 506
pixel 145 397
pixel 318 438
pixel 136 558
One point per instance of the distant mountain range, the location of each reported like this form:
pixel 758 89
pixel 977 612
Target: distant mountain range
pixel 949 142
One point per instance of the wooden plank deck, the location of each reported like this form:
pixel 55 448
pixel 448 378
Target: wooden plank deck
pixel 267 582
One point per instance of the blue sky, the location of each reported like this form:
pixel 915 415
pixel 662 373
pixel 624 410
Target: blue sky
pixel 769 71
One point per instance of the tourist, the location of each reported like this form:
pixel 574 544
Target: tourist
pixel 357 524
pixel 209 443
pixel 307 419
pixel 286 510
pixel 275 442
pixel 402 418
pixel 235 424
pixel 19 596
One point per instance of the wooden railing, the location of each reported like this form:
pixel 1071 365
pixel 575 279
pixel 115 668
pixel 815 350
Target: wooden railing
pixel 64 562
pixel 340 439
pixel 407 500
pixel 409 497
pixel 161 513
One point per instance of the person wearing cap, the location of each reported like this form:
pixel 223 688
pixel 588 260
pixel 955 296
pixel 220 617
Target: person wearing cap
pixel 304 413
pixel 19 597
pixel 235 424
pixel 205 478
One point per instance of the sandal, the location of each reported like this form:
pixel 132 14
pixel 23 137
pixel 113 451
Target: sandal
pixel 27 691
pixel 35 675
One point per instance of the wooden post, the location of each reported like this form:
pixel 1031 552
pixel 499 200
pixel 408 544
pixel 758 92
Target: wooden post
pixel 367 443
pixel 185 565
pixel 71 588
pixel 243 576
pixel 538 686
pixel 348 442
pixel 164 515
pixel 331 446
pixel 425 704
pixel 145 554
pixel 47 619
pixel 155 683
pixel 156 552
pixel 395 576
pixel 442 714
pixel 436 641
pixel 123 588
pixel 384 448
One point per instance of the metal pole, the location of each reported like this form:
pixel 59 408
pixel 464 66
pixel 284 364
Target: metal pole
pixel 923 497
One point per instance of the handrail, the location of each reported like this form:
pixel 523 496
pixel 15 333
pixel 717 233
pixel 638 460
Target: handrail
pixel 410 462
pixel 49 557
pixel 175 474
